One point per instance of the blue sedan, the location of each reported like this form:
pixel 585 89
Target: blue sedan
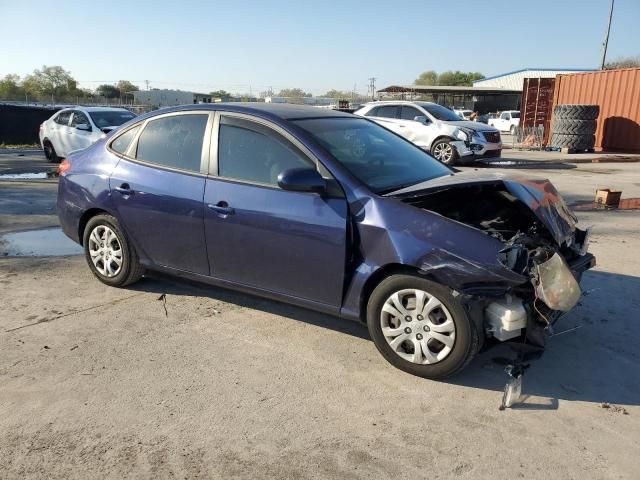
pixel 331 212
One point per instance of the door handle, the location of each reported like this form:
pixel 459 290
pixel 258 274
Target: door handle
pixel 221 208
pixel 124 189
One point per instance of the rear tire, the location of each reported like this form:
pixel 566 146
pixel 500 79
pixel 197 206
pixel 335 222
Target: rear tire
pixel 110 255
pixel 443 151
pixel 442 317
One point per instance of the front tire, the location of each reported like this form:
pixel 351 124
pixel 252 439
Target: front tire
pixel 50 152
pixel 420 327
pixel 110 255
pixel 443 151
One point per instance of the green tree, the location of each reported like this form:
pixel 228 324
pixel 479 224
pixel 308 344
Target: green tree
pixel 108 91
pixel 220 94
pixel 623 62
pixel 338 94
pixel 10 88
pixel 125 87
pixel 430 77
pixel 293 92
pixel 54 80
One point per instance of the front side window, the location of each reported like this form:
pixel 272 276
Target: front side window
pixel 253 153
pixel 440 113
pixel 79 118
pixel 409 113
pixel 121 144
pixel 504 116
pixel 174 141
pixel 380 159
pixel 63 118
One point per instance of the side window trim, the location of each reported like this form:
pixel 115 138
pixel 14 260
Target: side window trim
pixel 205 156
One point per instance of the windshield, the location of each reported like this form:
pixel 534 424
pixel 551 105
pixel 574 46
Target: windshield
pixel 440 112
pixel 382 160
pixel 113 118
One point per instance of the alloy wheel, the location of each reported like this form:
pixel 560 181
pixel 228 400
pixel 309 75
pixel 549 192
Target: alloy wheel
pixel 443 152
pixel 417 326
pixel 105 250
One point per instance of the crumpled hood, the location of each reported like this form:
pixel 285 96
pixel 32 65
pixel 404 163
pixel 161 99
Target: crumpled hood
pixel 475 126
pixel 538 194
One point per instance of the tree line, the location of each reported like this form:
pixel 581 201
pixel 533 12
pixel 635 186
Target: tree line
pixel 55 84
pixel 448 78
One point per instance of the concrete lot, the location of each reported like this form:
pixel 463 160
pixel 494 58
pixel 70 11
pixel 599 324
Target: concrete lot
pixel 100 382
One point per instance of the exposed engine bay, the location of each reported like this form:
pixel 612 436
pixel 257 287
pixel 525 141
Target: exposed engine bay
pixel 540 243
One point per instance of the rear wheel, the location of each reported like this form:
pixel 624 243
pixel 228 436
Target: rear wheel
pixel 50 152
pixel 110 255
pixel 445 152
pixel 420 327
pixel 512 129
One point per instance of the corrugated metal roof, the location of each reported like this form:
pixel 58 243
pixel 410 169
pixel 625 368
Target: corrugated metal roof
pixel 515 80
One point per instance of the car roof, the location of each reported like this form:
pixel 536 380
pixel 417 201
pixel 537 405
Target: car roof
pixel 96 109
pixel 282 111
pixel 397 102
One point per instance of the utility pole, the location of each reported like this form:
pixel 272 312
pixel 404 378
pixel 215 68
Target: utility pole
pixel 147 82
pixel 606 38
pixel 372 87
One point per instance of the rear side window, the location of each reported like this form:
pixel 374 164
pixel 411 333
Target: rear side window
pixel 121 143
pixel 63 118
pixel 250 152
pixel 174 141
pixel 388 111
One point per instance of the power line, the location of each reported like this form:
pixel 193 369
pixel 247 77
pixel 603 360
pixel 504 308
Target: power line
pixel 372 87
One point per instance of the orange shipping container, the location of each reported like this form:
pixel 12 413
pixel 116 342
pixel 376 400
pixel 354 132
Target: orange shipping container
pixel 618 94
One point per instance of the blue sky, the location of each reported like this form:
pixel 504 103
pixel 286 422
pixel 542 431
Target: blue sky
pixel 242 45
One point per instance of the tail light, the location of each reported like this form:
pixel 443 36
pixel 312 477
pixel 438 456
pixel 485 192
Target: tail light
pixel 63 167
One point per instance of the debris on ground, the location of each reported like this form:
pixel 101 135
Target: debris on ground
pixel 163 299
pixel 614 408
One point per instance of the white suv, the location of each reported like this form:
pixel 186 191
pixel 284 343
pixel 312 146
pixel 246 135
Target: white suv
pixel 507 121
pixel 436 129
pixel 77 128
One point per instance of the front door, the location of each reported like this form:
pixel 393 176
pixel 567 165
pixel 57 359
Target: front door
pixel 79 139
pixel 259 235
pixel 158 190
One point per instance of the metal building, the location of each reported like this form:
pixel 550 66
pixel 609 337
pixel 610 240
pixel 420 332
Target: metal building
pixel 169 98
pixel 515 80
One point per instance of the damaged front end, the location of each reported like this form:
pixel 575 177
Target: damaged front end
pixel 541 244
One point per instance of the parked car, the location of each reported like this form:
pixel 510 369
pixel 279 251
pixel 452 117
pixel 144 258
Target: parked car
pixel 507 121
pixel 78 127
pixel 484 118
pixel 329 211
pixel 464 114
pixel 436 129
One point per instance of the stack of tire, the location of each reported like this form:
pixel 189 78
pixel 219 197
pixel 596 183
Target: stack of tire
pixel 573 127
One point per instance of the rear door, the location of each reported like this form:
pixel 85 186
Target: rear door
pixel 158 187
pixel 290 243
pixel 79 139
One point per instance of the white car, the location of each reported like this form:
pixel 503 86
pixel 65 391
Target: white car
pixel 507 121
pixel 436 129
pixel 76 128
pixel 464 114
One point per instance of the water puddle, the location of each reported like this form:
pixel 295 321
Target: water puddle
pixel 625 204
pixel 526 164
pixel 38 243
pixel 28 175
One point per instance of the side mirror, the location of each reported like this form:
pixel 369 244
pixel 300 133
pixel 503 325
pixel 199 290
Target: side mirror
pixel 83 126
pixel 421 119
pixel 302 180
